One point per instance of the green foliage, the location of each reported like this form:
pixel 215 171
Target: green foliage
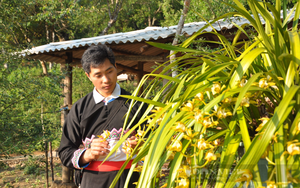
pixel 81 84
pixel 32 166
pixel 28 105
pixel 3 165
pixel 129 86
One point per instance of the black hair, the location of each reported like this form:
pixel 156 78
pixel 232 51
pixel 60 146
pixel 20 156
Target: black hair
pixel 96 55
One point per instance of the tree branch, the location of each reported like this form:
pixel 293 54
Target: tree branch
pixel 112 18
pixel 109 13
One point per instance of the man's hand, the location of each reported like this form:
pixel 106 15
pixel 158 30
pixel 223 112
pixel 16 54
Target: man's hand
pixel 133 142
pixel 99 147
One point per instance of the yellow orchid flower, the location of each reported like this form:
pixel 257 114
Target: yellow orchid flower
pixel 216 88
pixel 293 148
pixel 158 121
pixel 266 82
pixel 189 134
pixel 211 156
pixel 183 183
pixel 157 109
pixel 264 121
pixel 246 175
pixel 149 120
pixel 202 144
pixel 164 185
pixel 184 171
pixel 245 102
pixel 242 83
pixel 208 123
pixel 199 96
pixel 180 127
pixel 176 146
pixel 274 137
pixel 104 135
pixel 222 113
pixel 140 133
pixel 198 116
pixel 227 100
pixel 189 106
pixel 271 184
pixel 126 147
pixel 217 142
pixel 138 169
pixel 263 83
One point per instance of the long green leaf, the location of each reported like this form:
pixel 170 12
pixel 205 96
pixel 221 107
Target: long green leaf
pixel 228 157
pixel 244 65
pixel 155 103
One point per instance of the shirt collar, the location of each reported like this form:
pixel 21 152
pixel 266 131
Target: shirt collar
pixel 115 94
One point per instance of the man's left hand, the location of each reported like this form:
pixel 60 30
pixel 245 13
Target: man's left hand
pixel 133 142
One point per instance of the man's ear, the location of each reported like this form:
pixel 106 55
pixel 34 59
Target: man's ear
pixel 87 74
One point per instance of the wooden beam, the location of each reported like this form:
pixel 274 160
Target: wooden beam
pixel 118 58
pixel 122 72
pixel 119 66
pixel 130 58
pixel 144 48
pixel 130 69
pixel 139 58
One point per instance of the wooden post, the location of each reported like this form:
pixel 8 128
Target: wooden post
pixel 46 155
pixel 46 149
pixel 67 91
pixel 51 161
pixel 140 75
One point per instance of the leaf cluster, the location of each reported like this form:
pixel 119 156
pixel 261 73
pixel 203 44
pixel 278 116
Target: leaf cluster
pixel 245 92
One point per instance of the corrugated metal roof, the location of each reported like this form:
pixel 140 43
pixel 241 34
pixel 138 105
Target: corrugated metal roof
pixel 149 33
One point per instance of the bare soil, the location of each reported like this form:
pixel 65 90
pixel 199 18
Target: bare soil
pixel 28 172
pixel 20 171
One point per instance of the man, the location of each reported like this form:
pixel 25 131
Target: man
pixel 99 111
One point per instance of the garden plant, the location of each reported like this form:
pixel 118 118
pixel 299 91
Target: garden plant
pixel 246 92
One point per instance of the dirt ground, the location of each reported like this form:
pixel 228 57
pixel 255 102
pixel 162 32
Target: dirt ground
pixel 28 171
pixel 20 172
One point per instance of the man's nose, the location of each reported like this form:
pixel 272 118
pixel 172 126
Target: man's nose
pixel 105 78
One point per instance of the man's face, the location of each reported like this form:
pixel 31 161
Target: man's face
pixel 104 78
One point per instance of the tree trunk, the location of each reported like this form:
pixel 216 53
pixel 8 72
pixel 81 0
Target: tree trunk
pixel 67 92
pixel 45 71
pixel 178 32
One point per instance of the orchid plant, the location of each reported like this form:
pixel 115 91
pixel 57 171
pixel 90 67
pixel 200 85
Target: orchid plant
pixel 245 92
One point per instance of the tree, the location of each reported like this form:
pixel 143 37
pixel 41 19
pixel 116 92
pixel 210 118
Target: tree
pixel 23 89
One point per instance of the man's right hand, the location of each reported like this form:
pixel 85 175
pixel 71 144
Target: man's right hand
pixel 99 147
